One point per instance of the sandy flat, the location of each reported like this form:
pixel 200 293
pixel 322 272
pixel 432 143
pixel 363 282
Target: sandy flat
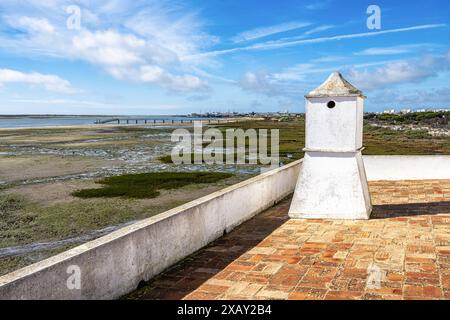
pixel 40 166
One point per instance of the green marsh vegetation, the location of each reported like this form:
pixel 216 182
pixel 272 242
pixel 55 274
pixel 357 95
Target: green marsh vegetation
pixel 291 135
pixel 148 185
pixel 377 140
pixel 429 117
pixel 30 222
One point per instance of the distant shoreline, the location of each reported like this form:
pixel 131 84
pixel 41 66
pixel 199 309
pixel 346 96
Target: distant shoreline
pixel 47 120
pixel 51 116
pixel 112 125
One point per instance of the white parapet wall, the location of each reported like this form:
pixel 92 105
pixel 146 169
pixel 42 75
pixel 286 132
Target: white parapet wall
pixel 115 264
pixel 407 167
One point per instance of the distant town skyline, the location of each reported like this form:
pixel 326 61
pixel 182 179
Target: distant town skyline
pixel 179 57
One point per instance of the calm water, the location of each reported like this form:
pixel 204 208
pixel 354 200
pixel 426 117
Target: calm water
pixel 48 122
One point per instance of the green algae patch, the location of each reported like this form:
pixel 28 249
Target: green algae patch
pixel 148 185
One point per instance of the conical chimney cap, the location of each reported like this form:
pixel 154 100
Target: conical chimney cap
pixel 335 86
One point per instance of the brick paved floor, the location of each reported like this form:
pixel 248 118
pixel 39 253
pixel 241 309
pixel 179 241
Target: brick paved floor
pixel 407 241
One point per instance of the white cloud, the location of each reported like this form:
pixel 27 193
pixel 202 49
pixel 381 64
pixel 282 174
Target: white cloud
pixel 325 59
pixel 402 71
pixel 34 25
pixel 154 74
pixel 302 36
pixel 199 97
pixel 393 50
pixel 391 73
pixel 49 81
pixel 298 79
pixel 287 83
pixel 108 48
pixel 319 29
pixel 88 103
pixel 437 97
pixel 297 72
pixel 262 32
pixel 259 82
pixel 317 5
pixel 179 32
pixel 128 40
pixel 289 43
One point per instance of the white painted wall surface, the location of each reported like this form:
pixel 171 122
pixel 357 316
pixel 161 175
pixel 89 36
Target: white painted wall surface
pixel 336 129
pixel 407 167
pixel 331 185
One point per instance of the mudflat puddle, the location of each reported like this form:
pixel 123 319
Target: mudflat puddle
pixel 44 246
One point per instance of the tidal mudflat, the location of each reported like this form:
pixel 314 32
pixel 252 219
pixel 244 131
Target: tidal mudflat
pixel 41 170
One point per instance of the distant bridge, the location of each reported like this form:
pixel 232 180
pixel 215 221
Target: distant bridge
pixel 159 121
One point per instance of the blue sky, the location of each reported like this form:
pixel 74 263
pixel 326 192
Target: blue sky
pixel 177 57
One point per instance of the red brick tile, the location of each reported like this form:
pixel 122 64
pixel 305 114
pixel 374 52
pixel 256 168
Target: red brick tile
pixel 240 266
pixel 343 295
pixel 196 295
pixel 421 291
pixel 213 288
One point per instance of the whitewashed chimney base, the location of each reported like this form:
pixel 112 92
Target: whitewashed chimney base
pixel 331 185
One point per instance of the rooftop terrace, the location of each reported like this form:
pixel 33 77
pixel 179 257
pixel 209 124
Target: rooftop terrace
pixel 272 257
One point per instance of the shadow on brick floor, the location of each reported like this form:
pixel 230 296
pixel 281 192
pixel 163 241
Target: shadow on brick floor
pixel 185 277
pixel 410 209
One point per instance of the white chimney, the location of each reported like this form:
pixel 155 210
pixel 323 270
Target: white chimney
pixel 332 183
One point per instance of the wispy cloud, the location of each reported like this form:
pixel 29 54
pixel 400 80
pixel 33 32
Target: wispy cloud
pixel 371 75
pixel 88 103
pixel 288 43
pixel 262 32
pixel 318 5
pixel 418 99
pixel 260 82
pixel 394 50
pixel 305 35
pixel 319 29
pixel 403 71
pixel 286 83
pixel 30 24
pixel 140 41
pixel 328 59
pixel 48 81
